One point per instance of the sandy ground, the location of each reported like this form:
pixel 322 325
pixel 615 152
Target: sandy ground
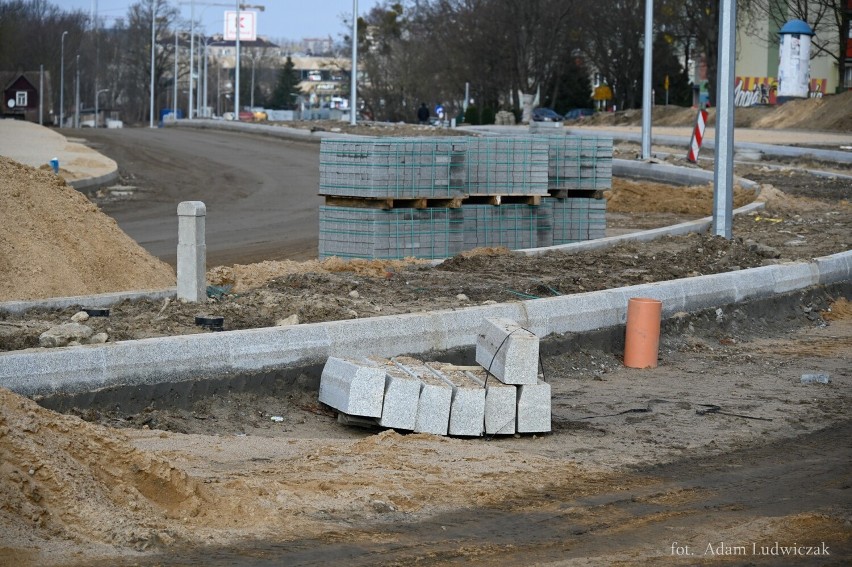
pixel 722 445
pixel 632 461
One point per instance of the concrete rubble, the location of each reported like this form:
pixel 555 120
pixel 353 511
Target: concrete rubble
pixel 445 399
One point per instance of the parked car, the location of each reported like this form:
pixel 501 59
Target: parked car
pixel 579 113
pixel 546 115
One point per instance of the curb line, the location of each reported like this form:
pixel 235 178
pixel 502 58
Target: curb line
pixel 211 355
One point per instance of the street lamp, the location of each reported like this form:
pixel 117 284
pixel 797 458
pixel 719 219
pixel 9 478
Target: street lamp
pixel 62 80
pixel 237 67
pixel 97 94
pixel 153 47
pixel 353 95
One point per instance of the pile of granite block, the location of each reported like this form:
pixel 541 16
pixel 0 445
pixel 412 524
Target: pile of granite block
pixel 502 395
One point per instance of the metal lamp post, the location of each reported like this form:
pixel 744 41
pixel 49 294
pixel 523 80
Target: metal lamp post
pixel 62 80
pixel 77 96
pixel 353 95
pixel 237 66
pixel 153 47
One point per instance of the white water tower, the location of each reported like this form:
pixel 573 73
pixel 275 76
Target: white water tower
pixel 794 70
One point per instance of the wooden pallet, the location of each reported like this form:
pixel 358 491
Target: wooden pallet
pixel 503 200
pixel 388 203
pixel 576 193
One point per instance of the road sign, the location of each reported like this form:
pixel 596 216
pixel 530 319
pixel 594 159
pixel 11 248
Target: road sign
pixel 603 92
pixel 248 26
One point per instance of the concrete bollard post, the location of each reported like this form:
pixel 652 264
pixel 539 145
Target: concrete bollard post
pixel 191 251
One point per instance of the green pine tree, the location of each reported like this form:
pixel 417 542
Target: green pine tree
pixel 284 96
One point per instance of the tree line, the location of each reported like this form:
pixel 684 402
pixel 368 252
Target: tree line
pixel 427 50
pixel 413 51
pixel 113 58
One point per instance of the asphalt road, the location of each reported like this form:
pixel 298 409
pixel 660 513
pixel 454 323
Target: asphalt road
pixel 261 193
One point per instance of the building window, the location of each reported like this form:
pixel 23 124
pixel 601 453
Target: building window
pixel 21 98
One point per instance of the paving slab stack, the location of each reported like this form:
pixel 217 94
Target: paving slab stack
pixel 395 168
pixel 511 225
pixel 503 395
pixel 432 198
pixel 579 168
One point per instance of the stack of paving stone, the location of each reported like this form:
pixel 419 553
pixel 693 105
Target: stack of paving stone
pixel 349 232
pixel 576 219
pixel 403 168
pixel 370 180
pixel 514 226
pixel 395 168
pixel 579 162
pixel 507 166
pixel 503 396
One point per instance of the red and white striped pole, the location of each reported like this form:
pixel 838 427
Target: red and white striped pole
pixel 697 136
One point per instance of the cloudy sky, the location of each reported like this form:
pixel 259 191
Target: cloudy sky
pixel 287 19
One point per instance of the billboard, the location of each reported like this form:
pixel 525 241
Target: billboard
pixel 248 25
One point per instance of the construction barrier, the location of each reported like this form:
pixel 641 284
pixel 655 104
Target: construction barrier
pixel 697 136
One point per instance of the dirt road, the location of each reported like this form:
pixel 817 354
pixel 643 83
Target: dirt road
pixel 674 514
pixel 261 193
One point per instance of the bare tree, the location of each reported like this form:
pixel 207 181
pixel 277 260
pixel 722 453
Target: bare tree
pixel 131 67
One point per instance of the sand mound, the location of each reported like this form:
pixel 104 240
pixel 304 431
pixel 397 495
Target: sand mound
pixel 242 277
pixel 827 113
pixel 54 242
pixel 647 197
pixel 778 202
pixel 832 112
pixel 63 477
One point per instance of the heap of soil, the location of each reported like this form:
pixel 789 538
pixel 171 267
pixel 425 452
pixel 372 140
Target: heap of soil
pixel 833 112
pixel 647 197
pixel 63 477
pixel 55 243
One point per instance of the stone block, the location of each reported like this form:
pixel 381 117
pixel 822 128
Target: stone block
pixel 500 402
pixel 402 395
pixel 355 387
pixel 508 351
pixel 534 408
pixel 467 411
pixel 433 408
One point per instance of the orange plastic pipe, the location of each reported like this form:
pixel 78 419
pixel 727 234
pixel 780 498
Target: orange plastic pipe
pixel 642 338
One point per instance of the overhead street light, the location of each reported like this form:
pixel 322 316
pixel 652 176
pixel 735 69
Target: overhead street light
pixel 153 46
pixel 237 66
pixel 62 80
pixel 353 84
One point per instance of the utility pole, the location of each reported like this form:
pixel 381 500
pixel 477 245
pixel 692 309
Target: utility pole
pixel 97 54
pixel 153 47
pixel 723 178
pixel 647 79
pixel 175 81
pixel 191 54
pixel 77 96
pixel 41 95
pixel 353 85
pixel 62 81
pixel 237 67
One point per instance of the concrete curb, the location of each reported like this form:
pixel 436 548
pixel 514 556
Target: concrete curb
pixel 282 132
pixel 699 225
pixel 766 149
pixel 96 301
pixel 212 355
pixel 674 174
pixel 80 184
